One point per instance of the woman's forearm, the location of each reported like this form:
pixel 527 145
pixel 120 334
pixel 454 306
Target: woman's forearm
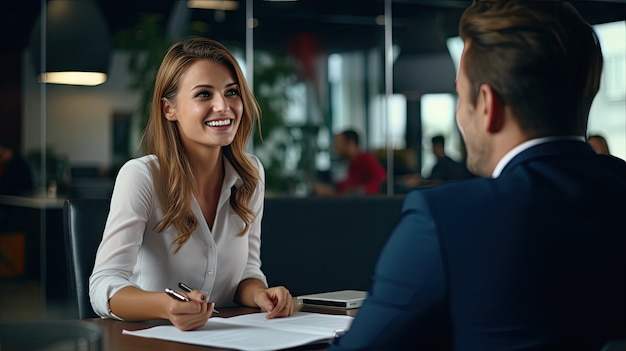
pixel 133 304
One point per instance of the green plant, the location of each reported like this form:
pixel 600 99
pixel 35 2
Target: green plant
pixel 274 75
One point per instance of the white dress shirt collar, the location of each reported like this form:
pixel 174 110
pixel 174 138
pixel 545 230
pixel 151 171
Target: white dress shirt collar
pixel 231 176
pixel 524 146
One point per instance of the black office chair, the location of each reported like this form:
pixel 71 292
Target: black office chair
pixel 83 223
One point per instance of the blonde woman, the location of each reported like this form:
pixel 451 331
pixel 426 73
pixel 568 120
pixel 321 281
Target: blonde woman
pixel 189 210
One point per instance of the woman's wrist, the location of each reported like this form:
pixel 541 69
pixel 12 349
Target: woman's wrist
pixel 162 301
pixel 247 290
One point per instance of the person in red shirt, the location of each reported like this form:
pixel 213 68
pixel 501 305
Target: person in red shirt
pixel 365 173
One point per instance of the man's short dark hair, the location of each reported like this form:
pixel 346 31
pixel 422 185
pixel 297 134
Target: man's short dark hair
pixel 351 136
pixel 541 58
pixel 438 140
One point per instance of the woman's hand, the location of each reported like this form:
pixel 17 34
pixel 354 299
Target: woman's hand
pixel 277 301
pixel 192 314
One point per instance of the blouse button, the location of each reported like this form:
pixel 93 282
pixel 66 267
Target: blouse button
pixel 211 273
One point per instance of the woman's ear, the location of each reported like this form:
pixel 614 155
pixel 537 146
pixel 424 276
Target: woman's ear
pixel 168 110
pixel 491 109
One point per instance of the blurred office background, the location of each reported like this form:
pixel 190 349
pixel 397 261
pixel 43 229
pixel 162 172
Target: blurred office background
pixel 385 68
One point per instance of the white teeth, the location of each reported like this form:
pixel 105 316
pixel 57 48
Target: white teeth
pixel 220 123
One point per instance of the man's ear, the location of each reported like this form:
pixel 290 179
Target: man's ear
pixel 491 109
pixel 168 110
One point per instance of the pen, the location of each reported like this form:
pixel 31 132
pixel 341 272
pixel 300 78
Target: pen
pixel 176 295
pixel 186 288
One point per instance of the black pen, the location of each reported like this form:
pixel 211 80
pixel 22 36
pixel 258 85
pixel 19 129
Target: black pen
pixel 188 289
pixel 185 287
pixel 176 295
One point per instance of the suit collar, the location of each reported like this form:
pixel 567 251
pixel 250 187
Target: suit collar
pixel 560 146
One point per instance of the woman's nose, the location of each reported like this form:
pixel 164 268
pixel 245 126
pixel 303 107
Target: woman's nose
pixel 220 104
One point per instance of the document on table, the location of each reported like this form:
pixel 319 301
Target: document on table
pixel 252 332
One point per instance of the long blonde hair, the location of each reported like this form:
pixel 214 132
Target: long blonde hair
pixel 174 179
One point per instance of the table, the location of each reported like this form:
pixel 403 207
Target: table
pixel 114 340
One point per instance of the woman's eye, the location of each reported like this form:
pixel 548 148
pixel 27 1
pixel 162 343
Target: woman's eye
pixel 232 92
pixel 204 94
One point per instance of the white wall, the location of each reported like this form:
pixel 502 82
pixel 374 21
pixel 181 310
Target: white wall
pixel 608 112
pixel 78 119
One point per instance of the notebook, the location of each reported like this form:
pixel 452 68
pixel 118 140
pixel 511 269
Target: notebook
pixel 337 299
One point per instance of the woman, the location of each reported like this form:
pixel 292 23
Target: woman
pixel 190 210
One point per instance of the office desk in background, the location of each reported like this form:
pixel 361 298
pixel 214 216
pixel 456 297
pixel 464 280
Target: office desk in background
pixel 114 340
pixel 41 220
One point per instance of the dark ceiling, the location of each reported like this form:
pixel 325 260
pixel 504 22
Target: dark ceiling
pixel 339 24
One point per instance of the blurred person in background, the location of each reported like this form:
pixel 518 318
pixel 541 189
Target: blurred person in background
pixel 365 174
pixel 445 169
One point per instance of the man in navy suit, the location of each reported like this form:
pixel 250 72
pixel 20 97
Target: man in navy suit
pixel 531 255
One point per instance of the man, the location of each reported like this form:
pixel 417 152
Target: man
pixel 365 174
pixel 530 257
pixel 444 170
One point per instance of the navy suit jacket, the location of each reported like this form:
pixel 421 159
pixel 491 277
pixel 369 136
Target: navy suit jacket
pixel 532 260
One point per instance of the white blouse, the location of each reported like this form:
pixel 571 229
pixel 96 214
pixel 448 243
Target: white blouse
pixel 134 253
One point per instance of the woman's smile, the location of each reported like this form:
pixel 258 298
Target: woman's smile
pixel 219 124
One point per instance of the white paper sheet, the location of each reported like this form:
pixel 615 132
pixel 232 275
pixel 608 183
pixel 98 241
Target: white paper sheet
pixel 252 332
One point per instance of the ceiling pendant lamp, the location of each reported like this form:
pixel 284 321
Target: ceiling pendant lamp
pixel 223 5
pixel 77 44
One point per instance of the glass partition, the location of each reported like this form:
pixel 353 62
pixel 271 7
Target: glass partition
pixel 423 75
pixel 316 70
pixel 323 75
pixel 327 70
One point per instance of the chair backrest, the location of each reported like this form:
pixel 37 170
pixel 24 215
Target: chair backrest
pixel 83 223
